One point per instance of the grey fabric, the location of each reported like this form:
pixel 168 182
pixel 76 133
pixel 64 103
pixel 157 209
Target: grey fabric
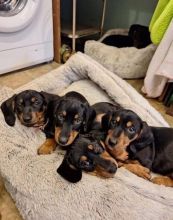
pixel 127 62
pixel 40 193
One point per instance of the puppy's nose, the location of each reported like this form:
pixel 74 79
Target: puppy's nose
pixel 63 140
pixel 112 142
pixel 112 168
pixel 27 118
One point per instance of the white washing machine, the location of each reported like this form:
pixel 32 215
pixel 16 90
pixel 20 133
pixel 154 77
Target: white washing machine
pixel 26 33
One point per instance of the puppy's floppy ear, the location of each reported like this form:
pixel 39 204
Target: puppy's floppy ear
pixel 90 114
pixel 143 146
pixel 146 133
pixel 52 105
pixel 55 104
pixel 8 110
pixel 106 120
pixel 144 139
pixel 68 173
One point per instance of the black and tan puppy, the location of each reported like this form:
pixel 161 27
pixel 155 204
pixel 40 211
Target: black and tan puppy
pixel 138 36
pixel 33 109
pixel 124 129
pixel 87 154
pixel 147 148
pixel 101 109
pixel 88 151
pixel 73 115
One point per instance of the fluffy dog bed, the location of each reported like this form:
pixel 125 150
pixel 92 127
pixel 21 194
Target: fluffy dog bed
pixel 40 193
pixel 127 62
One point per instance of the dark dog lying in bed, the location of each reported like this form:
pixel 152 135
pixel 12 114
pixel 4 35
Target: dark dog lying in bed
pixel 138 36
pixel 139 147
pixel 72 115
pixel 60 118
pixel 88 151
pixel 87 154
pixel 33 109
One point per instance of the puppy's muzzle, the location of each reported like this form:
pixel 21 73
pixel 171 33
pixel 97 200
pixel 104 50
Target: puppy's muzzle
pixel 112 142
pixel 27 118
pixel 63 140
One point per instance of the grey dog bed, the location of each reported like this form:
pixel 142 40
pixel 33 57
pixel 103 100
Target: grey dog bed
pixel 40 193
pixel 127 62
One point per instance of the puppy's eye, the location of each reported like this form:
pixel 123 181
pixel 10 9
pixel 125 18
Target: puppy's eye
pixel 113 122
pixel 60 117
pixel 36 102
pixel 20 104
pixel 131 129
pixel 77 121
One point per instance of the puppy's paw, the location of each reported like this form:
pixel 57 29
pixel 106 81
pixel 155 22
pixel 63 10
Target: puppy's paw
pixel 139 170
pixel 145 173
pixel 85 164
pixel 121 155
pixel 112 167
pixel 95 148
pixel 163 180
pixel 47 147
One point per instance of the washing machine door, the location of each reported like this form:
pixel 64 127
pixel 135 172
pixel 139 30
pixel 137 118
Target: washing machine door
pixel 17 14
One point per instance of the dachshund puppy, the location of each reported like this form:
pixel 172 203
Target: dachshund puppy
pixel 88 151
pixel 126 132
pixel 87 154
pixel 131 140
pixel 33 109
pixel 102 108
pixel 138 36
pixel 73 115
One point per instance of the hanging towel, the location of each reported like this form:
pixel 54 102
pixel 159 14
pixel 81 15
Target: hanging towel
pixel 161 19
pixel 160 69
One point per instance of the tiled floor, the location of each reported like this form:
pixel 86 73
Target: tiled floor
pixel 18 78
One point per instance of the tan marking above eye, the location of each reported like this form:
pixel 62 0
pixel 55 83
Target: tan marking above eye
pixel 83 158
pixel 118 119
pixel 33 99
pixel 64 113
pixel 21 100
pixel 76 116
pixel 90 147
pixel 129 124
pixel 99 117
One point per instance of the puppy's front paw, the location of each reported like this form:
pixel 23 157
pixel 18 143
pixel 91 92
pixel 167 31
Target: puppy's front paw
pixel 163 180
pixel 95 148
pixel 139 170
pixel 145 173
pixel 47 147
pixel 123 156
pixel 85 164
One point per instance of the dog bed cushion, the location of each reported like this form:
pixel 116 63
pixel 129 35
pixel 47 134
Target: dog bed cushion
pixel 32 180
pixel 127 62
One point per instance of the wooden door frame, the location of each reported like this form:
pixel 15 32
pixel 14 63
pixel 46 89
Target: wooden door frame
pixel 56 30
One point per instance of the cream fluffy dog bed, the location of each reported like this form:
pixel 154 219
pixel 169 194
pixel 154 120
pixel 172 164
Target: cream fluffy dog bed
pixel 127 62
pixel 40 193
